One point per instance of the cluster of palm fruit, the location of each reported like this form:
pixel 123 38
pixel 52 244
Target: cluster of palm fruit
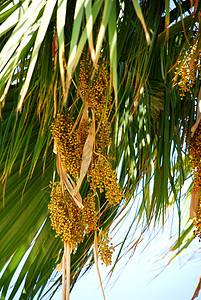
pixel 70 222
pixel 195 161
pixel 65 216
pixel 94 91
pixel 67 143
pixel 95 94
pixel 195 157
pixel 197 222
pixel 105 248
pixel 104 178
pixel 188 68
pixel 89 213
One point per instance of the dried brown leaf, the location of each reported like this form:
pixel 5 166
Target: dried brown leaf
pixel 194 202
pixel 55 147
pixel 68 182
pixel 195 126
pixel 86 154
pixel 198 119
pixel 67 251
pixel 197 290
pixel 59 266
pixel 83 120
pixel 64 276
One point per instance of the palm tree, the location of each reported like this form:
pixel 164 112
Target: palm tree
pixel 151 53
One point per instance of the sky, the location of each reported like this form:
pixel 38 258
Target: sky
pixel 177 282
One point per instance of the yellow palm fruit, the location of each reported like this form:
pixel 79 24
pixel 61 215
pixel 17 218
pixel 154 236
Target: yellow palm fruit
pixel 83 133
pixel 89 213
pixel 195 157
pixel 195 161
pixel 106 249
pixel 188 69
pixel 104 178
pixel 197 221
pixel 67 143
pixel 94 92
pixel 65 217
pixel 103 139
